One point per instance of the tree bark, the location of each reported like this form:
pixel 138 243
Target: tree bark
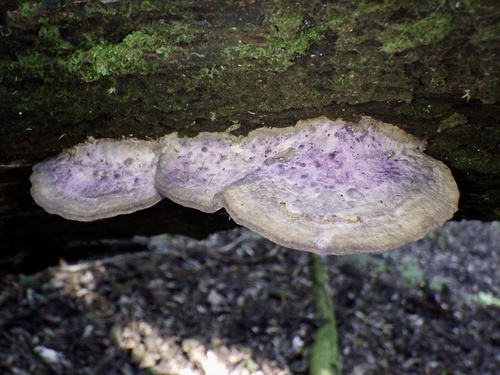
pixel 113 69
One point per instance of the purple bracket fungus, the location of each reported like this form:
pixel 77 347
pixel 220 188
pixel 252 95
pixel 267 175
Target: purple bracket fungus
pixel 97 179
pixel 324 186
pixel 191 171
pixel 321 186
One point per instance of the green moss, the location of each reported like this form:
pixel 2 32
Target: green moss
pixel 117 8
pixel 27 9
pixel 411 272
pixel 487 34
pixel 286 38
pixel 274 46
pixel 31 65
pixel 452 121
pixel 219 65
pixel 89 64
pixel 466 146
pixel 176 32
pixel 424 109
pixel 438 75
pixel 115 58
pixel 404 36
pixel 49 39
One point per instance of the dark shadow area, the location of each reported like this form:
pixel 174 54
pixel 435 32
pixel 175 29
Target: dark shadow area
pixel 234 303
pixel 31 239
pixel 209 307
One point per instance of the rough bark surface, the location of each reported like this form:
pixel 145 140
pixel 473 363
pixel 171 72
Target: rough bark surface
pixel 114 69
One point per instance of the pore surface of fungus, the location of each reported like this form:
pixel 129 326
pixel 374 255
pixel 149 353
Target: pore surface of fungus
pixel 322 186
pixel 344 189
pixel 329 187
pixel 97 179
pixel 191 171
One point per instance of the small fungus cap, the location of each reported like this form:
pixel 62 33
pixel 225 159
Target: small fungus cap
pixel 191 171
pixel 97 179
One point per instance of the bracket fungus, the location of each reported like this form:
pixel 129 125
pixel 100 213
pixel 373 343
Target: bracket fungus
pixel 329 187
pixel 346 189
pixel 97 179
pixel 321 186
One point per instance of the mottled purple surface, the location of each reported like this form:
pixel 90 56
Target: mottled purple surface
pixel 97 179
pixel 333 188
pixel 192 171
pixel 323 186
pixel 337 170
pixel 329 163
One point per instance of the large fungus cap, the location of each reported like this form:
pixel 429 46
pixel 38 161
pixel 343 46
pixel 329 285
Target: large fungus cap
pixel 343 188
pixel 97 179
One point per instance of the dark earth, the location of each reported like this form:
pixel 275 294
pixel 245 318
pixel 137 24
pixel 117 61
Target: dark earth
pixel 236 303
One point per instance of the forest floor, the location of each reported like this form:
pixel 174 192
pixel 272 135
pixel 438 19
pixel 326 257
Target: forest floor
pixel 236 303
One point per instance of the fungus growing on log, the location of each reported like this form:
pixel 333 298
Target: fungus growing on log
pixel 321 186
pixel 97 179
pixel 324 186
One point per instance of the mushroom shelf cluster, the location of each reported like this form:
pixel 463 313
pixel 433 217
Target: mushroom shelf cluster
pixel 330 187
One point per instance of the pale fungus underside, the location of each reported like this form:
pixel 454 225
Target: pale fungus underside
pixel 324 186
pixel 97 179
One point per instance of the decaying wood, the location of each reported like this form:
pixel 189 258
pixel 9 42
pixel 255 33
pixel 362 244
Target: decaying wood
pixel 117 69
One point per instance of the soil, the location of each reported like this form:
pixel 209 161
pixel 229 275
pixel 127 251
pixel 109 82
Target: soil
pixel 236 303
